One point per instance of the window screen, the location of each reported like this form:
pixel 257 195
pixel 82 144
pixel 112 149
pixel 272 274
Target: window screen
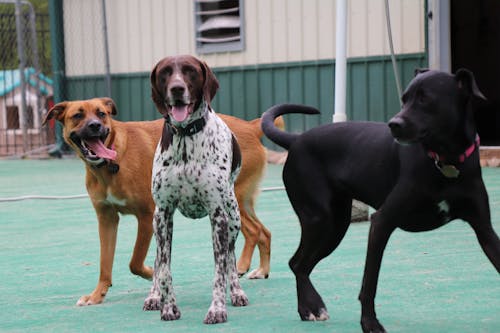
pixel 219 25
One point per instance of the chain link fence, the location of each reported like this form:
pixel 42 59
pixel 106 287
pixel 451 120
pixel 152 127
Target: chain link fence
pixel 26 87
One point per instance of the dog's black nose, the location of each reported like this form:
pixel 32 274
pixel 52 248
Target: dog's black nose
pixel 94 126
pixel 396 125
pixel 177 90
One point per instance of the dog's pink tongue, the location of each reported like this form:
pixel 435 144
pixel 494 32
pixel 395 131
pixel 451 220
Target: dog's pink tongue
pixel 101 150
pixel 180 113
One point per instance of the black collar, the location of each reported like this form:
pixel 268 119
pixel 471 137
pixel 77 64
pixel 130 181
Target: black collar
pixel 112 167
pixel 191 128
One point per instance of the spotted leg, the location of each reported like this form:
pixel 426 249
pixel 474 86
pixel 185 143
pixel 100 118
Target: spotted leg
pixel 238 296
pixel 217 313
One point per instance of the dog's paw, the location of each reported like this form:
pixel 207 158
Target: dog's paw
pixel 321 315
pixel 242 272
pixel 151 303
pixel 170 312
pixel 258 274
pixel 372 325
pixel 89 300
pixel 215 315
pixel 239 298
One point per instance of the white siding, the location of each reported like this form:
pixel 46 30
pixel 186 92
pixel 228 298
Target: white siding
pixel 141 32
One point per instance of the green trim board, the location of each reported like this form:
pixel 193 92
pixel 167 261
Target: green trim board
pixel 247 91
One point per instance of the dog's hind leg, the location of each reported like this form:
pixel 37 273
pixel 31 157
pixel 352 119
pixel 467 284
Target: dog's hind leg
pixel 323 228
pixel 144 233
pixel 255 234
pixel 264 244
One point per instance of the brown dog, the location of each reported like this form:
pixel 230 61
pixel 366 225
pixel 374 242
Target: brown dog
pixel 118 158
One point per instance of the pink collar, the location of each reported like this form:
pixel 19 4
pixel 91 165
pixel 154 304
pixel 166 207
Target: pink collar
pixel 461 157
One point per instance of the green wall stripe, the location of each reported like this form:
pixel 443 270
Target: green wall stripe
pixel 247 91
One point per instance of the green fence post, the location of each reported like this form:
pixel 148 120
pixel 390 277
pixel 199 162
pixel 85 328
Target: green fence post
pixel 58 67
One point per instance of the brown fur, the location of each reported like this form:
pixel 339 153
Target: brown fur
pixel 135 144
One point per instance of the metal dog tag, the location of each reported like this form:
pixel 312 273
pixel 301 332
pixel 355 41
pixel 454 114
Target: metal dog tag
pixel 449 171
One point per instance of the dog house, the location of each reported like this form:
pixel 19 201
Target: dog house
pixel 19 125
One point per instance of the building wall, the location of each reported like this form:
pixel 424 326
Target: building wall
pixel 289 55
pixel 140 32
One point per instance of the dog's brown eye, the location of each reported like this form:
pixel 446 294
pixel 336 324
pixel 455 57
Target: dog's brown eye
pixel 101 114
pixel 189 71
pixel 77 116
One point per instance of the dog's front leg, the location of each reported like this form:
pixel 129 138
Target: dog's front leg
pixel 163 221
pixel 377 240
pixel 479 217
pixel 217 313
pixel 108 227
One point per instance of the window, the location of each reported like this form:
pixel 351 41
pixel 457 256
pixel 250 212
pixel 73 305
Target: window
pixel 14 118
pixel 219 25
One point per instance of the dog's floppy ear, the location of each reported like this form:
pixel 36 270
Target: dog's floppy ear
pixel 210 83
pixel 420 71
pixel 110 104
pixel 467 83
pixel 57 111
pixel 156 95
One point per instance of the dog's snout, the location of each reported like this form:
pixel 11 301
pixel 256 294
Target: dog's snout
pixel 177 90
pixel 95 126
pixel 398 127
pixel 396 124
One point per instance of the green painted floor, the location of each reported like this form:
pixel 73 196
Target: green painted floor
pixel 438 281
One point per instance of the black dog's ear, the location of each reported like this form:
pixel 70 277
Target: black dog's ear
pixel 420 70
pixel 466 82
pixel 111 104
pixel 156 95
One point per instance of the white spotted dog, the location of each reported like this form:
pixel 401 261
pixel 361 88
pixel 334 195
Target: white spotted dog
pixel 195 165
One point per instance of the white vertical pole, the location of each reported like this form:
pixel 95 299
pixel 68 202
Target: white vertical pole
pixel 439 34
pixel 340 62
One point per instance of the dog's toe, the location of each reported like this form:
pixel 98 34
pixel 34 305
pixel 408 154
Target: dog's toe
pixel 321 315
pixel 170 312
pixel 239 299
pixel 88 300
pixel 152 303
pixel 241 273
pixel 215 316
pixel 258 274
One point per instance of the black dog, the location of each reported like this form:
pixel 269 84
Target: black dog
pixel 431 177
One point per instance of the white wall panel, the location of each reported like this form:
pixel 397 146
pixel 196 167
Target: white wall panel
pixel 140 32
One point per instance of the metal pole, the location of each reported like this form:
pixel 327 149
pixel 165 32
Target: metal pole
pixel 58 66
pixel 36 65
pixel 106 48
pixel 340 62
pixel 22 65
pixel 391 47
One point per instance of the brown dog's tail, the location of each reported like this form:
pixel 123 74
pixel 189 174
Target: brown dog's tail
pixel 269 126
pixel 257 124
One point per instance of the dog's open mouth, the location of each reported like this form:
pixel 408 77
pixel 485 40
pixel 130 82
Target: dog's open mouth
pixel 180 110
pixel 93 149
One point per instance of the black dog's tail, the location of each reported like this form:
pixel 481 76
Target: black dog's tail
pixel 281 138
